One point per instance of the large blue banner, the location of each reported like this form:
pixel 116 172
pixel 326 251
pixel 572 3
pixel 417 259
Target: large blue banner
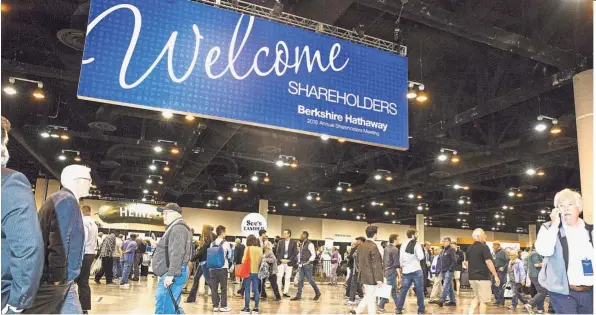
pixel 194 58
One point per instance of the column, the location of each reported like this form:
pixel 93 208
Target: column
pixel 584 112
pixel 532 233
pixel 420 227
pixel 43 188
pixel 263 207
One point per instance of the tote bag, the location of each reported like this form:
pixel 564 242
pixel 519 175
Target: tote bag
pixel 243 271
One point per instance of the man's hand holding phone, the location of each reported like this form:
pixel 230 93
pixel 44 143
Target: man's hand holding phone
pixel 555 217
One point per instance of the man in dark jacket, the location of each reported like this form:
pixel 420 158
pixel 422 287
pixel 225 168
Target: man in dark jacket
pixel 286 253
pixel 138 260
pixel 22 243
pixel 501 261
pixel 370 265
pixel 448 262
pixel 353 285
pixel 64 237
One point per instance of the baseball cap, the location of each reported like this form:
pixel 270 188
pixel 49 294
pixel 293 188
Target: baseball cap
pixel 170 206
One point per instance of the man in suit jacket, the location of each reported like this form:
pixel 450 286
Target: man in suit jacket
pixel 370 266
pixel 22 243
pixel 286 253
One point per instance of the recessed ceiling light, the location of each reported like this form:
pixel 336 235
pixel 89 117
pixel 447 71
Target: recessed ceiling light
pixel 189 117
pixel 44 135
pixel 174 150
pixel 324 137
pixel 145 191
pixel 157 149
pixel 167 114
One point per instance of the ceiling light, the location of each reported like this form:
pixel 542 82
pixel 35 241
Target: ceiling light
pixel 318 198
pixel 245 190
pixel 286 204
pixel 411 196
pixel 511 194
pixel 229 198
pixel 392 213
pixel 343 209
pixel 189 117
pixel 349 189
pixel 468 202
pixel 166 168
pixel 381 204
pixel 389 178
pixel 167 114
pixel 325 214
pixel 540 127
pixel 540 173
pixel 144 199
pixel 351 209
pixel 157 149
pixel 266 179
pixel 505 207
pixel 461 201
pixel 10 89
pixel 294 205
pixel 309 197
pixel 393 221
pixel 339 188
pixel 324 137
pixel 152 167
pixel 442 157
pixel 455 159
pixel 519 195
pixel 458 220
pixel 220 198
pixel 64 137
pixel 174 150
pixel 419 197
pixel 340 140
pixel 374 203
pixel 357 217
pixel 294 164
pixel 44 135
pixel 422 97
pixel 254 178
pixel 420 208
pixel 411 93
pixel 456 186
pixel 378 176
pixel 160 182
pixel 543 211
pixel 209 204
pixel 54 135
pixel 279 163
pixel 386 213
pixel 149 181
pixel 145 191
pixel 155 192
pixel 531 171
pixel 235 189
pixel 61 157
pixel 38 94
pixel 466 187
pixel 510 208
pixel 77 158
pixel 555 130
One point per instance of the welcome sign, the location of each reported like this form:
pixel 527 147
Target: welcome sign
pixel 193 58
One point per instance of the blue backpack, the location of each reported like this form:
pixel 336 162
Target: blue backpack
pixel 215 256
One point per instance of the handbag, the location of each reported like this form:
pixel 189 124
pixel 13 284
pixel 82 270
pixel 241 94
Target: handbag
pixel 96 266
pixel 263 270
pixel 243 270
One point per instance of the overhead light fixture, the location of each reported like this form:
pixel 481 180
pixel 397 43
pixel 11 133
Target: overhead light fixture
pixel 461 201
pixel 167 114
pixel 324 137
pixel 455 159
pixel 511 194
pixel 149 181
pixel 64 137
pixel 77 158
pixel 166 168
pixel 411 91
pixel 422 97
pixel 392 213
pixel 381 204
pixel 344 209
pixel 505 207
pixel 62 157
pixel 174 150
pixel 540 172
pixel 220 198
pixel 160 182
pixel 519 195
pixel 189 118
pixel 339 188
pixel 530 172
pixel 378 177
pixel 155 192
pixel 54 135
pixel 145 191
pixel 411 196
pixel 341 140
pixel 420 208
pixel 144 199
pixel 386 213
pixel 543 211
pixel 44 134
pixel 442 157
pixel 279 163
pixel 349 189
pixel 294 205
pixel 318 198
pixel 230 199
pixel 466 187
pixel 373 203
pixel 419 196
pixel 10 89
pixel 357 217
pixel 152 167
pixel 351 209
pixel 309 197
pixel 555 130
pixel 254 178
pixel 325 214
pixel 157 149
pixel 456 186
pixel 266 179
pixel 389 178
pixel 286 204
pixel 39 94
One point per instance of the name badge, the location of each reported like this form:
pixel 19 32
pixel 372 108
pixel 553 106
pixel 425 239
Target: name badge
pixel 587 266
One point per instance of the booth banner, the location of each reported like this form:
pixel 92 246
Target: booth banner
pixel 194 58
pixel 115 212
pixel 252 223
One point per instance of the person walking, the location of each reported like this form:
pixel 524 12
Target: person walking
pixel 534 267
pixel 117 262
pixel 286 253
pixel 170 259
pixel 448 262
pixel 255 255
pixel 480 267
pixel 370 264
pixel 435 271
pixel 219 273
pixel 334 264
pixel 567 243
pixel 305 267
pixel 354 287
pixel 410 255
pixel 271 260
pixel 138 259
pixel 64 238
pixel 460 257
pixel 517 277
pixel 90 247
pixel 392 274
pixel 108 246
pixel 425 265
pixel 501 262
pixel 238 254
pixel 22 261
pixel 200 261
pixel 128 257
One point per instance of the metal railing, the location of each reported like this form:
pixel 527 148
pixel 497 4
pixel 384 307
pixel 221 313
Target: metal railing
pixel 294 20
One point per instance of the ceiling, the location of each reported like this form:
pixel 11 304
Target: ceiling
pixel 490 68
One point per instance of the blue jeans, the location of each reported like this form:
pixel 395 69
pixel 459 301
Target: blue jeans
pixel 306 272
pixel 254 281
pixel 392 281
pixel 163 301
pixel 192 296
pixel 447 287
pixel 499 291
pixel 126 272
pixel 409 278
pixel 117 267
pixel 574 303
pixel 71 304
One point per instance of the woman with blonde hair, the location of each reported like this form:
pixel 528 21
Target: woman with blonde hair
pixel 199 260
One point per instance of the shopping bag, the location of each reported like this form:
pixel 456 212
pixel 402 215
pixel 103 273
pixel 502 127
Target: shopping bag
pixel 96 266
pixel 243 270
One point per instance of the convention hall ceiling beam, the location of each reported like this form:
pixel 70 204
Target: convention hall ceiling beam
pixel 16 134
pixel 326 11
pixel 463 26
pixel 35 70
pixel 502 102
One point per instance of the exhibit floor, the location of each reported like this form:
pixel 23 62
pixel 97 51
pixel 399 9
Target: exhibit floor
pixel 140 298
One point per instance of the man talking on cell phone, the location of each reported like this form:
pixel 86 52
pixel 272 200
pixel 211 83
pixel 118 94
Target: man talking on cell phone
pixel 566 242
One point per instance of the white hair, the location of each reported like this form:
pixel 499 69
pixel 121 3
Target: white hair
pixel 568 194
pixel 74 171
pixel 477 233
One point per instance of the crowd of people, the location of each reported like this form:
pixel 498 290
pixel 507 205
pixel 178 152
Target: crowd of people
pixel 63 247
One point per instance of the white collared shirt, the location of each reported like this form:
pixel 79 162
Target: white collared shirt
pixel 580 248
pixel 287 246
pixel 90 235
